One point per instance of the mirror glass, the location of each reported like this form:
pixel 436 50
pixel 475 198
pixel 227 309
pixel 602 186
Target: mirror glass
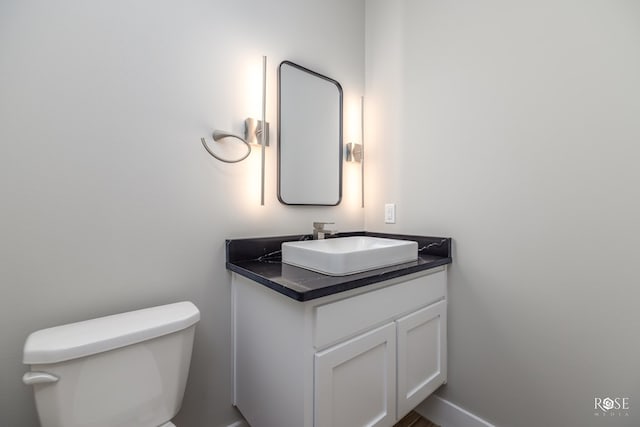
pixel 309 137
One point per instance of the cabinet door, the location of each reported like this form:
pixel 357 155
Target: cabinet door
pixel 355 381
pixel 422 357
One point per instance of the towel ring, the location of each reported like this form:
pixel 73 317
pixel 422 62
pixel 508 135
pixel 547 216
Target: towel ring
pixel 218 135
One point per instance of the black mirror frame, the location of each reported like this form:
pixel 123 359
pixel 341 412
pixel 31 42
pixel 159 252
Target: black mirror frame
pixel 340 142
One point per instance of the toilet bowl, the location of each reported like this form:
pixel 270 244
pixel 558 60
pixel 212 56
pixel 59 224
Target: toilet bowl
pixel 124 370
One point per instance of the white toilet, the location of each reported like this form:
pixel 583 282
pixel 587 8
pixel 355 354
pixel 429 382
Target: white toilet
pixel 125 370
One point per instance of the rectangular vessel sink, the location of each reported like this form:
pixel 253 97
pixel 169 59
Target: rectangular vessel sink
pixel 348 255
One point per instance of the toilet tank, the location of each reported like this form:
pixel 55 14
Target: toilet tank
pixel 124 370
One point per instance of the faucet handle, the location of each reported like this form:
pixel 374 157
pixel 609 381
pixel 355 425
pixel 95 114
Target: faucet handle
pixel 320 225
pixel 319 231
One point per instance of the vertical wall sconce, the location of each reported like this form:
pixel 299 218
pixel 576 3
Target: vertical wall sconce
pixel 263 137
pixel 362 151
pixel 255 132
pixel 355 152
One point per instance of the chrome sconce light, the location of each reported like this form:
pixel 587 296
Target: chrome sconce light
pixel 255 132
pixel 354 152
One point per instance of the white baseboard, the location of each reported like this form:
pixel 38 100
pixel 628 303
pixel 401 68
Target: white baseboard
pixel 239 423
pixel 447 414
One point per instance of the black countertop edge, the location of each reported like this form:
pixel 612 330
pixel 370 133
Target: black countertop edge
pixel 335 288
pixel 259 259
pixel 248 273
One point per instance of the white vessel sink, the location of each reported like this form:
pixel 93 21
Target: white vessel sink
pixel 348 255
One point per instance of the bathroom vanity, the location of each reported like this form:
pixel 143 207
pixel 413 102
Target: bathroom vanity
pixel 328 351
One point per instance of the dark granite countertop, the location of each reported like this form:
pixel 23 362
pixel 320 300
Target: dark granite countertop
pixel 259 259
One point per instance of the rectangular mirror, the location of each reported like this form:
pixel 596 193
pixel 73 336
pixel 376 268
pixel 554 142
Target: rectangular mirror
pixel 309 137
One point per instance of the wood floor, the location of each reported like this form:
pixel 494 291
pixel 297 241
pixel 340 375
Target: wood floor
pixel 413 419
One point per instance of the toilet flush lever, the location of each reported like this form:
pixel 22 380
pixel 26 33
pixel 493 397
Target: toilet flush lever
pixel 38 378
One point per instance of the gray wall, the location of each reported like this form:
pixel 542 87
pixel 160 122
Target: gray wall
pixel 109 202
pixel 514 128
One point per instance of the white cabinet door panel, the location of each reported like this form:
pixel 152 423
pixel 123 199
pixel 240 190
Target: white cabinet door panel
pixel 355 381
pixel 422 361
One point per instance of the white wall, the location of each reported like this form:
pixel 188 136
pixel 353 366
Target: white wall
pixel 513 127
pixel 109 202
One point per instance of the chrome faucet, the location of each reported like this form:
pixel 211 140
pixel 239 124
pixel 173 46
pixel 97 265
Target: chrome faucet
pixel 319 232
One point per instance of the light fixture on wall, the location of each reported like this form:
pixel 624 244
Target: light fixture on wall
pixel 355 152
pixel 255 132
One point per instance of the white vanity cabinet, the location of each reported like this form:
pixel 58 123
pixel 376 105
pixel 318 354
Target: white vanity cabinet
pixel 363 357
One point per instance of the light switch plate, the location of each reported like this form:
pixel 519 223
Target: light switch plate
pixel 390 213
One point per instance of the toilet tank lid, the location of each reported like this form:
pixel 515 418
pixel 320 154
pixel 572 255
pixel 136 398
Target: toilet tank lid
pixel 93 336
